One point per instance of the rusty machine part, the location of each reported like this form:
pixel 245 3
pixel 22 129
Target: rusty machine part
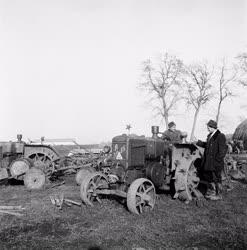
pixel 138 166
pixel 235 166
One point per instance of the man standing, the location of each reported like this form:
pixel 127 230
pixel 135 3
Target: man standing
pixel 213 160
pixel 172 135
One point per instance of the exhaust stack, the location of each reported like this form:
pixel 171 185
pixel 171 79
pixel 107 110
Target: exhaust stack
pixel 155 131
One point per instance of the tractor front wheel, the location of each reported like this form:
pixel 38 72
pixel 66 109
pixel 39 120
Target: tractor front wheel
pixel 90 184
pixel 19 167
pixel 141 196
pixel 34 179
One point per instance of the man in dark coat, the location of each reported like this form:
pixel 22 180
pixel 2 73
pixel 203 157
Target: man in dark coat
pixel 213 160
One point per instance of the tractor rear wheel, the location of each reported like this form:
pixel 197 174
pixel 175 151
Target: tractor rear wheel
pixel 43 162
pixel 191 182
pixel 34 179
pixel 141 196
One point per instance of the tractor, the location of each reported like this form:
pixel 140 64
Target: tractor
pixel 28 162
pixel 137 167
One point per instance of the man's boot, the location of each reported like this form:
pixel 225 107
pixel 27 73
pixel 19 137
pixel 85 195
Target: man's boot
pixel 210 190
pixel 219 190
pixel 211 193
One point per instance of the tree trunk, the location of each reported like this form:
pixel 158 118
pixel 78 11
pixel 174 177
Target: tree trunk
pixel 166 120
pixel 194 124
pixel 218 112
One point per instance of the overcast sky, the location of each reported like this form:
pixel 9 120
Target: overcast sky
pixel 70 69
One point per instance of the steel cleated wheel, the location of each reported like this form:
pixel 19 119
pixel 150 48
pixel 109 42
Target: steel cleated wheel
pixel 43 162
pixel 81 174
pixel 90 184
pixel 34 179
pixel 19 167
pixel 141 196
pixel 191 180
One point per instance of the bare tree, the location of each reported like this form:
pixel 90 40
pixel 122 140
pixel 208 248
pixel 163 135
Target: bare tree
pixel 226 78
pixel 242 65
pixel 163 84
pixel 198 89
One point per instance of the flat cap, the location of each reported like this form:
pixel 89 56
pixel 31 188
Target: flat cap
pixel 171 124
pixel 212 124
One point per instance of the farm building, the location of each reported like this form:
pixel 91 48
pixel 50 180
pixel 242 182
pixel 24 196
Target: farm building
pixel 241 133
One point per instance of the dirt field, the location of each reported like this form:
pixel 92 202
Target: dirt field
pixel 171 225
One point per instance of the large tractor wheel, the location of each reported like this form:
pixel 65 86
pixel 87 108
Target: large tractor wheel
pixel 90 184
pixel 43 162
pixel 187 183
pixel 141 196
pixel 34 179
pixel 19 167
pixel 81 174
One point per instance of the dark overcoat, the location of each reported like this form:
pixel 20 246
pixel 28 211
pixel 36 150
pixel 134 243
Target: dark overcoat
pixel 214 153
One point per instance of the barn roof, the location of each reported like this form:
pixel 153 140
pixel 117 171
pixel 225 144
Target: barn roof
pixel 241 131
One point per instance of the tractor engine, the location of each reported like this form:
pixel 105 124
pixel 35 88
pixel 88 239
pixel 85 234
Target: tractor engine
pixel 134 157
pixel 10 151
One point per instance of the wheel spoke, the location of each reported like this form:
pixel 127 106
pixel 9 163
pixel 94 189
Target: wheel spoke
pixel 92 184
pixel 139 203
pixel 195 178
pixel 150 203
pixel 139 194
pixel 89 198
pixel 44 159
pixel 140 208
pixel 101 184
pixel 36 158
pixel 148 189
pixel 98 199
pixel 98 179
pixel 142 187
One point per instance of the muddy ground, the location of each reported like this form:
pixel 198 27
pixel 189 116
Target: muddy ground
pixel 171 225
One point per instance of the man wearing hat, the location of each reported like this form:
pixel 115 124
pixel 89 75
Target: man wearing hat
pixel 172 135
pixel 213 160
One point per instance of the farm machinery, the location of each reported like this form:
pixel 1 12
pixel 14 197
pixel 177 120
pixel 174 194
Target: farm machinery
pixel 236 161
pixel 28 162
pixel 137 166
pixel 36 162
